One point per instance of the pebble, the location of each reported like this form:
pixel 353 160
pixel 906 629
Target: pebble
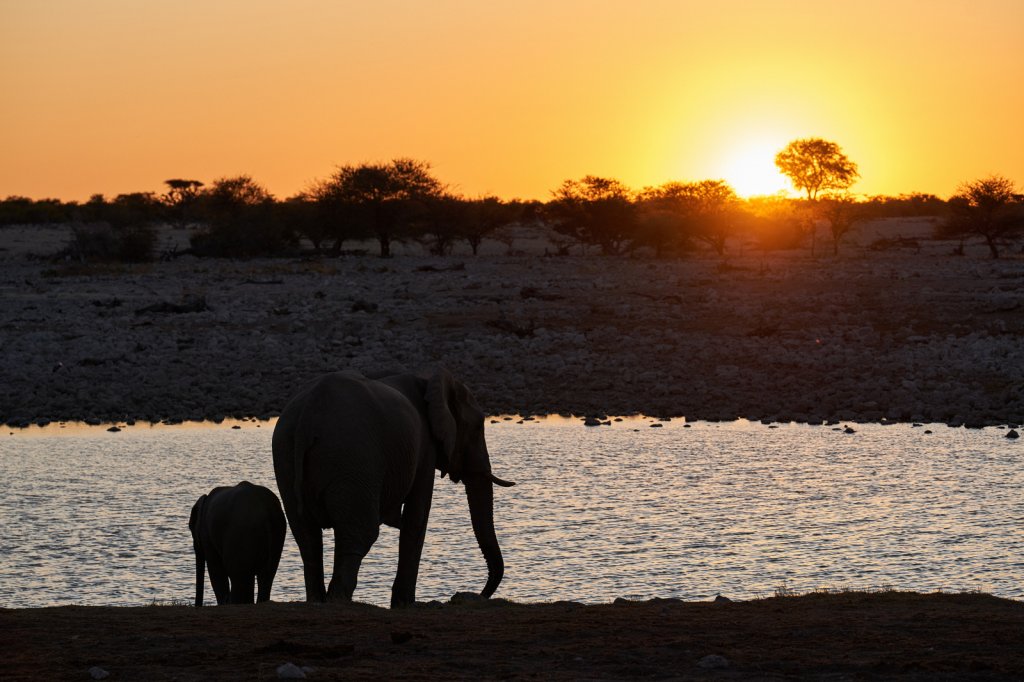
pixel 622 348
pixel 713 662
pixel 290 671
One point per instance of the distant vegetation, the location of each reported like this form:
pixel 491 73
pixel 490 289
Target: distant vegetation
pixel 402 201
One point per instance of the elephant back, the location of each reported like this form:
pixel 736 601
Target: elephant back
pixel 342 426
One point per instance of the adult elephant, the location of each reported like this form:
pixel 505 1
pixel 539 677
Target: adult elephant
pixel 237 531
pixel 352 452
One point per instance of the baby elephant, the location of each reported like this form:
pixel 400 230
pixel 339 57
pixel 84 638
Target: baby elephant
pixel 239 532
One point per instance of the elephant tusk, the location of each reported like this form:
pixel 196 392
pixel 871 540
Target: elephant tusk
pixel 503 484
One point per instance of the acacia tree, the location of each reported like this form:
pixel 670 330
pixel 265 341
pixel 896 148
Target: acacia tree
pixel 707 211
pixel 595 210
pixel 387 196
pixel 482 217
pixel 439 225
pixel 840 211
pixel 240 220
pixel 816 166
pixel 180 200
pixel 989 208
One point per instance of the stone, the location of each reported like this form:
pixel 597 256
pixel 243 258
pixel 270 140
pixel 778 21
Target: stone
pixel 1012 433
pixel 98 673
pixel 290 671
pixel 713 662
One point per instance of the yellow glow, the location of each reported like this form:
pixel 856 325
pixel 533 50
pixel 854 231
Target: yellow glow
pixel 508 98
pixel 751 170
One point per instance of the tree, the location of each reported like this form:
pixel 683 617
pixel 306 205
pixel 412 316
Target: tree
pixel 841 212
pixel 180 200
pixel 815 166
pixel 707 211
pixel 778 222
pixel 595 210
pixel 989 208
pixel 241 220
pixel 388 196
pixel 440 223
pixel 331 217
pixel 482 217
pixel 15 210
pixel 308 218
pixel 119 230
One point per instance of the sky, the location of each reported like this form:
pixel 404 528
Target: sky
pixel 505 98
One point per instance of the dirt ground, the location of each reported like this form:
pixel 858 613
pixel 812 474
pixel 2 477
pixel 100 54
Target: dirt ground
pixel 844 636
pixel 900 334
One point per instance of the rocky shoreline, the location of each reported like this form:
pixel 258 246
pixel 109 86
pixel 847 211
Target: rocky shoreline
pixel 897 335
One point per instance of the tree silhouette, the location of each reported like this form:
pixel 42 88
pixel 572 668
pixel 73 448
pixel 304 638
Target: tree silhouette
pixel 815 166
pixel 841 212
pixel 440 222
pixel 329 216
pixel 595 210
pixel 389 196
pixel 240 220
pixel 707 211
pixel 482 217
pixel 989 208
pixel 180 200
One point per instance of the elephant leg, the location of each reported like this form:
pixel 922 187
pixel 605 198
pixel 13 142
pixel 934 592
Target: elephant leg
pixel 346 573
pixel 410 542
pixel 219 579
pixel 355 517
pixel 265 579
pixel 265 576
pixel 311 548
pixel 243 588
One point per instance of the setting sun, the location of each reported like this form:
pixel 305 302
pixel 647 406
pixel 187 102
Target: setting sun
pixel 751 170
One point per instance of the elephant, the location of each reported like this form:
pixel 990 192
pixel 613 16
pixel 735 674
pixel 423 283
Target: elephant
pixel 239 532
pixel 353 451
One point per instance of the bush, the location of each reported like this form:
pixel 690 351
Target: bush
pixel 104 243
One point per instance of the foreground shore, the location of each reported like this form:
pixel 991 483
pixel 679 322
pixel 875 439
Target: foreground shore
pixel 899 334
pixel 888 635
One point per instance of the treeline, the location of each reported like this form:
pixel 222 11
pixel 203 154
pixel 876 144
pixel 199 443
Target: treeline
pixel 402 201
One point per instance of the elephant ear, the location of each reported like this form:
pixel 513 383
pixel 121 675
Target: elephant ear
pixel 440 386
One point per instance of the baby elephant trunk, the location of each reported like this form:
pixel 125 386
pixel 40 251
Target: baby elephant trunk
pixel 480 495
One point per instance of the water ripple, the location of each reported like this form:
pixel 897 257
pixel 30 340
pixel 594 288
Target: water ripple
pixel 738 509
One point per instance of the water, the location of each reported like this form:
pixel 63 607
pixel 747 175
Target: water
pixel 91 517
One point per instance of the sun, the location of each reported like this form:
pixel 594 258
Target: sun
pixel 751 170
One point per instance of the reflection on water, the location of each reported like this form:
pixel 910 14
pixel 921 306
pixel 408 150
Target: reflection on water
pixel 92 517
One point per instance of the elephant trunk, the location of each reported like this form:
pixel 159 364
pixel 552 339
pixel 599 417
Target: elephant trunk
pixel 480 495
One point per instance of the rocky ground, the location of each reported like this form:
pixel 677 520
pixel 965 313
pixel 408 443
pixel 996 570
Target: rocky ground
pixel 899 334
pixel 853 636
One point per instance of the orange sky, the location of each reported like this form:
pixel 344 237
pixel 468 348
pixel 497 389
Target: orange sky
pixel 508 98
